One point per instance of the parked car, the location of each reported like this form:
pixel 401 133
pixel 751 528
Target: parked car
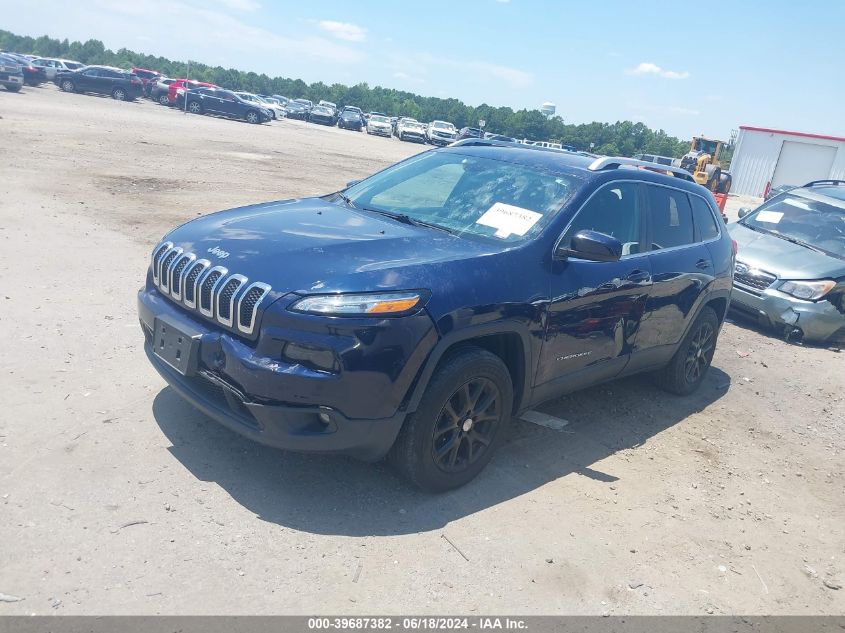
pixel 160 90
pixel 530 275
pixel 120 84
pixel 328 104
pixel 410 130
pixel 441 133
pixel 790 271
pixel 52 65
pixel 296 110
pixel 276 107
pixel 322 115
pixel 282 99
pixel 469 132
pixel 225 103
pixel 305 102
pixel 351 119
pixel 32 75
pixel 652 158
pixel 379 124
pixel 148 78
pixel 176 91
pixel 776 191
pixel 276 110
pixel 500 137
pixel 11 73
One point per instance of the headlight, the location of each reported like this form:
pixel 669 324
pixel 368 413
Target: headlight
pixel 809 290
pixel 382 304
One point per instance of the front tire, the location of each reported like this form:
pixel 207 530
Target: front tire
pixel 163 100
pixel 252 117
pixel 688 367
pixel 459 423
pixel 194 107
pixel 118 94
pixel 67 86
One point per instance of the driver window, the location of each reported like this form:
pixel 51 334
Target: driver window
pixel 613 210
pixel 93 72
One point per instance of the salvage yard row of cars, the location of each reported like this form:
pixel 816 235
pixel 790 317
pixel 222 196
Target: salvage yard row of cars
pixel 790 270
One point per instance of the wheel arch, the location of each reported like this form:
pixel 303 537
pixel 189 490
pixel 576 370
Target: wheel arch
pixel 509 341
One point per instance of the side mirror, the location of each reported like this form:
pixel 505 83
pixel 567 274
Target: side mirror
pixel 352 183
pixel 744 211
pixel 592 246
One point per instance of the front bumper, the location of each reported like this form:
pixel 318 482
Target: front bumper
pixel 440 140
pixel 413 136
pixel 381 131
pixel 320 120
pixel 819 321
pixel 248 388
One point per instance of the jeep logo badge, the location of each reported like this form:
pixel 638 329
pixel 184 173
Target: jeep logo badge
pixel 219 252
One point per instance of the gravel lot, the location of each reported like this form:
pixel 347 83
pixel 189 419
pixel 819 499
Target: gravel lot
pixel 116 497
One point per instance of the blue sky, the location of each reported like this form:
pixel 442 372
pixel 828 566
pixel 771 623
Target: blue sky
pixel 668 64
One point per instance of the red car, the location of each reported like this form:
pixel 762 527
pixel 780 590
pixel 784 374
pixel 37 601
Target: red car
pixel 147 77
pixel 177 88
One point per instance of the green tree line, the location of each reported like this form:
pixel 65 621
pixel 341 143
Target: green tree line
pixel 623 138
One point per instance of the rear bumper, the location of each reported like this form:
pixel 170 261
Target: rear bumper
pixel 819 321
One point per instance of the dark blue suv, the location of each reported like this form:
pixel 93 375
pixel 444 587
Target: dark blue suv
pixel 412 314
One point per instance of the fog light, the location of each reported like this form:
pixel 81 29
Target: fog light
pixel 324 418
pixel 313 357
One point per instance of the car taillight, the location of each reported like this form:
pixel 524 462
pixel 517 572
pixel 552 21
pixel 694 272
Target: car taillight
pixel 734 247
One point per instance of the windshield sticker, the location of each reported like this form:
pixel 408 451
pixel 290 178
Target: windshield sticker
pixel 508 219
pixel 772 217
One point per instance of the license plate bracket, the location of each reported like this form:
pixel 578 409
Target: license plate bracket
pixel 176 345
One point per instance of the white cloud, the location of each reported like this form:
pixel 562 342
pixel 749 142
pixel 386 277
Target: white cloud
pixel 503 1
pixel 647 68
pixel 240 5
pixel 514 77
pixel 344 30
pixel 685 111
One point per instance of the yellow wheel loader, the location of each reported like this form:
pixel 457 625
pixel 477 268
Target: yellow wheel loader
pixel 702 161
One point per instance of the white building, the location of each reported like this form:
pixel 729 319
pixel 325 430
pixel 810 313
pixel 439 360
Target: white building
pixel 548 109
pixel 765 158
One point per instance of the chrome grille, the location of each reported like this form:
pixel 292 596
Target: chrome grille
pixel 229 299
pixel 752 279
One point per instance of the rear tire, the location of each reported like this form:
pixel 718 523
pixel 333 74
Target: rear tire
pixel 688 367
pixel 194 107
pixel 459 423
pixel 162 99
pixel 67 86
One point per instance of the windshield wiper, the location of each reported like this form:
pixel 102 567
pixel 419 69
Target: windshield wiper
pixel 346 199
pixel 795 240
pixel 783 236
pixel 407 219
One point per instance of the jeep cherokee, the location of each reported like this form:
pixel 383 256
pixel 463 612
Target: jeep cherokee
pixel 412 314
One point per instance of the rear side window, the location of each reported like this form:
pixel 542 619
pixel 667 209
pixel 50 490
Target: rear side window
pixel 705 222
pixel 670 218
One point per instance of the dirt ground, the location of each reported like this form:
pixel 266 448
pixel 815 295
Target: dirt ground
pixel 116 497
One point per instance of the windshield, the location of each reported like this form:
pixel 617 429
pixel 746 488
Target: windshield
pixel 379 119
pixel 470 195
pixel 703 145
pixel 439 125
pixel 73 65
pixel 817 224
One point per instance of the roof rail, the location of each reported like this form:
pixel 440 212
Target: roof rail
pixel 469 142
pixel 816 183
pixel 615 162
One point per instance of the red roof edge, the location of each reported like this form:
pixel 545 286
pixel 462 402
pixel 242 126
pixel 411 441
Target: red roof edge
pixel 751 128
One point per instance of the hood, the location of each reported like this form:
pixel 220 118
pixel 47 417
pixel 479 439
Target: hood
pixel 782 258
pixel 314 246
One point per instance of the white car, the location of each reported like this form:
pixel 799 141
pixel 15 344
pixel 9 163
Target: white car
pixel 379 125
pixel 441 133
pixel 408 129
pixel 328 104
pixel 275 109
pixel 51 66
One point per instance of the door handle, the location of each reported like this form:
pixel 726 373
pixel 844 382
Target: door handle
pixel 638 276
pixel 703 264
